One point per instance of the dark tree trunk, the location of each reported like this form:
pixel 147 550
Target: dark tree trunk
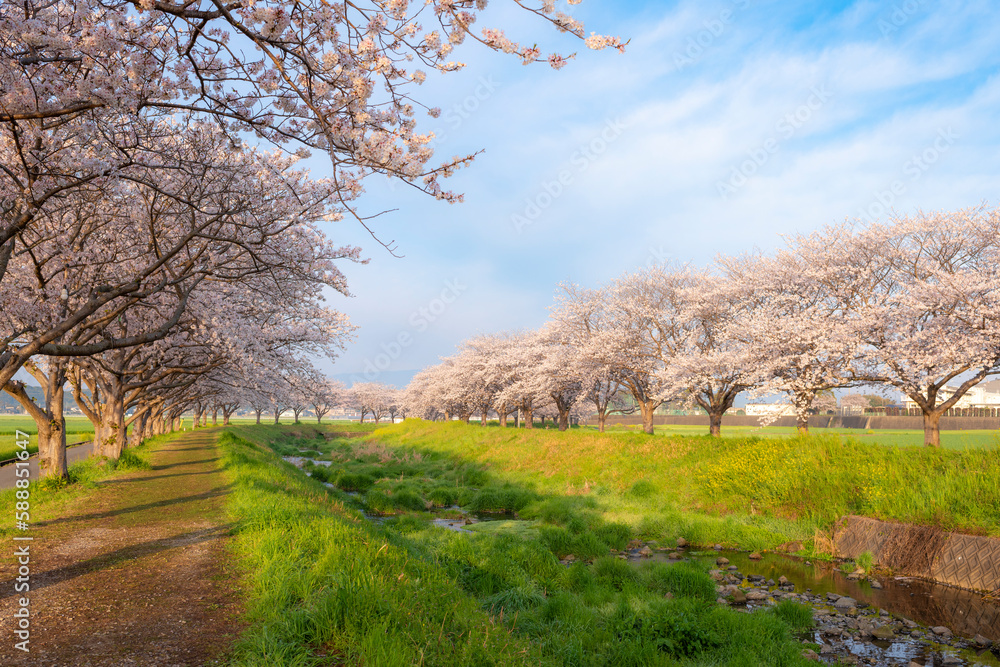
pixel 932 429
pixel 715 424
pixel 648 408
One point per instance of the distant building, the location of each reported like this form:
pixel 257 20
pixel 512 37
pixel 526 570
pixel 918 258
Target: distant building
pixel 770 410
pixel 983 395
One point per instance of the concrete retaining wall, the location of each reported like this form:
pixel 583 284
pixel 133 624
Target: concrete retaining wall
pixel 966 561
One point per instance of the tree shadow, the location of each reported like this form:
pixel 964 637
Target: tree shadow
pixel 129 480
pixel 103 561
pixel 184 463
pixel 212 493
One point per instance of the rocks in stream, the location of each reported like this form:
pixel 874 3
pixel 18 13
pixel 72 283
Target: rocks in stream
pixel 846 631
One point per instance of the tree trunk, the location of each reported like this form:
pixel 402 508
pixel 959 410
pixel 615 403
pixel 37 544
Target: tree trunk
pixel 259 413
pixel 801 423
pixel 517 419
pixel 138 428
pixel 215 416
pixel 715 424
pixel 52 449
pixel 602 417
pixel 56 449
pixel 932 430
pixel 563 419
pixel 114 415
pixel 647 408
pixel 503 418
pixel 277 415
pixel 482 417
pixel 529 418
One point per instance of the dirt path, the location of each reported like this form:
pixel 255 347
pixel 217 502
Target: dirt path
pixel 132 574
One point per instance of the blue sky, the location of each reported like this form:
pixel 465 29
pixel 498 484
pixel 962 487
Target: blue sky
pixel 724 125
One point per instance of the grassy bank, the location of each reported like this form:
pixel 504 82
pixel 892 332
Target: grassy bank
pixel 749 492
pixel 325 584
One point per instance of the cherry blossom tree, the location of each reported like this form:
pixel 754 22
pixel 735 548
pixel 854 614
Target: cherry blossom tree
pixel 631 342
pixel 326 395
pixel 374 398
pixel 578 317
pixel 248 213
pixel 78 79
pixel 791 315
pixel 928 310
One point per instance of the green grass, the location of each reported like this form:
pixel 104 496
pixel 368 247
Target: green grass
pixel 324 585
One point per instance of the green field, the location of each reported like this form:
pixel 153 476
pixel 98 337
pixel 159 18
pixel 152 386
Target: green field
pixel 743 490
pixel 578 493
pixel 78 429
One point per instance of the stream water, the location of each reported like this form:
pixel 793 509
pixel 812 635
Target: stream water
pixel 964 612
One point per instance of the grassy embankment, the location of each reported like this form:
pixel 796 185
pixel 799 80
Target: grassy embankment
pixel 326 584
pixel 750 492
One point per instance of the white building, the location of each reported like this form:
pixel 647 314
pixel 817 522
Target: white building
pixel 983 395
pixel 770 409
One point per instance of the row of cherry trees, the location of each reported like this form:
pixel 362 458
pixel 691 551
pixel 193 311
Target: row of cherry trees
pixel 154 257
pixel 911 304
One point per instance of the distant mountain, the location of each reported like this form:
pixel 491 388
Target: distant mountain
pixel 10 406
pixel 398 379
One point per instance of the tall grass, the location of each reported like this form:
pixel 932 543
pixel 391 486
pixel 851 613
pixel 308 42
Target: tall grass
pixel 753 492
